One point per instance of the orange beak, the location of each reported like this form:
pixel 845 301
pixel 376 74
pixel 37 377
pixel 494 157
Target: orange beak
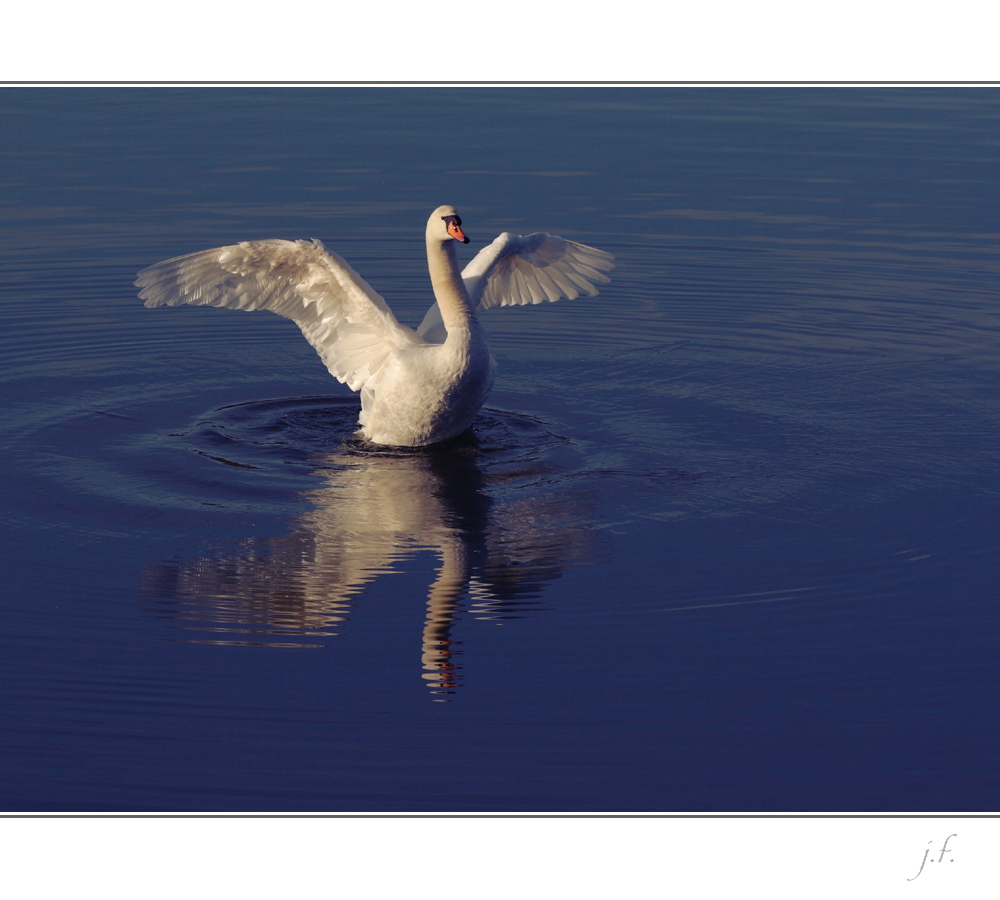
pixel 456 232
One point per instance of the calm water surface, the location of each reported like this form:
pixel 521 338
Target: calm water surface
pixel 725 537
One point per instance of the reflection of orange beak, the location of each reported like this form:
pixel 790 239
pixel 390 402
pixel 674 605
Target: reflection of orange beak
pixel 456 232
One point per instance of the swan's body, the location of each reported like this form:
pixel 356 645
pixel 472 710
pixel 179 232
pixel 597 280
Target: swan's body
pixel 417 387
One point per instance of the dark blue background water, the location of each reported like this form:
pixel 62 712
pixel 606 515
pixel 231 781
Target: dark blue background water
pixel 726 537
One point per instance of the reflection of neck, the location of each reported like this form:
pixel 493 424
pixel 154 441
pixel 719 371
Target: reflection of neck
pixel 449 289
pixel 453 576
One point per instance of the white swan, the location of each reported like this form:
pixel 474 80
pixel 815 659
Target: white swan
pixel 417 387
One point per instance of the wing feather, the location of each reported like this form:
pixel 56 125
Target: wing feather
pixel 341 316
pixel 517 270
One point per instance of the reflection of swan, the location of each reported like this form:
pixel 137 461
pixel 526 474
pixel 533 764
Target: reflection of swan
pixel 373 513
pixel 417 387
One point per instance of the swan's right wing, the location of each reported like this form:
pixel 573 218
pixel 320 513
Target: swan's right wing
pixel 516 270
pixel 344 319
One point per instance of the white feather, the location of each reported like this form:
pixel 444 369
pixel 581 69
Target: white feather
pixel 341 316
pixel 517 270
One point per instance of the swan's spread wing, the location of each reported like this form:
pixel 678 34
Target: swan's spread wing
pixel 344 319
pixel 516 270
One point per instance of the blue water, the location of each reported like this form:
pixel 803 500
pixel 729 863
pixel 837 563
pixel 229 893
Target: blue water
pixel 725 537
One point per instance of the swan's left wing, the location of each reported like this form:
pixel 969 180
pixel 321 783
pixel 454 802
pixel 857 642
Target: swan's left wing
pixel 345 320
pixel 516 270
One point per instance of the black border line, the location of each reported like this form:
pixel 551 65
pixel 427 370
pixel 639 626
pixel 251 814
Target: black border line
pixel 520 815
pixel 494 83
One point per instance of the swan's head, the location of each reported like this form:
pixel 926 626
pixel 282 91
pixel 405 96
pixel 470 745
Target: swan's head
pixel 445 224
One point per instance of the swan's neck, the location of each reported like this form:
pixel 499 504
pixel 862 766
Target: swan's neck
pixel 449 289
